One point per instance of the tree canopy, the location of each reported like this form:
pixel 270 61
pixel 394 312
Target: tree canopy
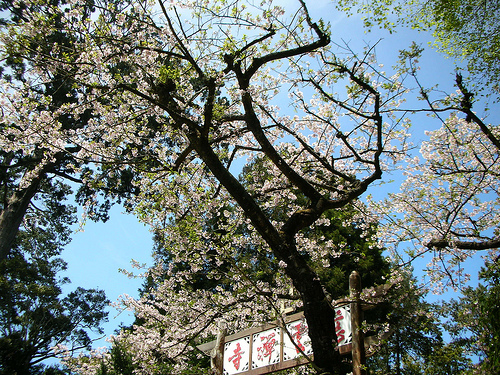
pixel 35 152
pixel 466 30
pixel 35 316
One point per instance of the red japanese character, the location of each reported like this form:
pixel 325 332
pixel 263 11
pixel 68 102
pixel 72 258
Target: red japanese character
pixel 296 338
pixel 338 329
pixel 236 358
pixel 267 347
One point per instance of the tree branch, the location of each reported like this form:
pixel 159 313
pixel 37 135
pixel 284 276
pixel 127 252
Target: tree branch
pixel 441 243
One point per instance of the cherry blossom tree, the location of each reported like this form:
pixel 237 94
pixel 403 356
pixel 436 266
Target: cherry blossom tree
pixel 177 97
pixel 193 88
pixel 448 204
pixel 219 283
pixel 36 153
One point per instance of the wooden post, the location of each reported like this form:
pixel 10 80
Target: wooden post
pixel 358 345
pixel 217 353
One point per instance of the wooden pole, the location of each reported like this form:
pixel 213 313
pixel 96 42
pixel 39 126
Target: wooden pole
pixel 217 353
pixel 358 345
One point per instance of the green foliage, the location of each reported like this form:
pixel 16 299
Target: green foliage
pixel 467 30
pixel 46 226
pixel 359 253
pixel 416 344
pixel 169 73
pixel 448 359
pixel 488 298
pixel 120 361
pixel 474 320
pixel 35 316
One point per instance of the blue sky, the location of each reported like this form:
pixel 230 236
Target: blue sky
pixel 97 253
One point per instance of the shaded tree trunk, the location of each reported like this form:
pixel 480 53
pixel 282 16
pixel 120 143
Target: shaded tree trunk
pixel 318 311
pixel 13 213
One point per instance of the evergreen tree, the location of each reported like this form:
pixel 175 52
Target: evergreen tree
pixel 35 315
pixel 474 321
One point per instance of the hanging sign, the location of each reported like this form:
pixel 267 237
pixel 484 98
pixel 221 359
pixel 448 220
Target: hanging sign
pixel 343 325
pixel 272 348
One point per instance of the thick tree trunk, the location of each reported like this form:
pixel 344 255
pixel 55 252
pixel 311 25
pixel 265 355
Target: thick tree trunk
pixel 13 213
pixel 318 311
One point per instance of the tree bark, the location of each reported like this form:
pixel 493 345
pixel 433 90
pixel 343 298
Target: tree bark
pixel 358 346
pixel 13 213
pixel 318 311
